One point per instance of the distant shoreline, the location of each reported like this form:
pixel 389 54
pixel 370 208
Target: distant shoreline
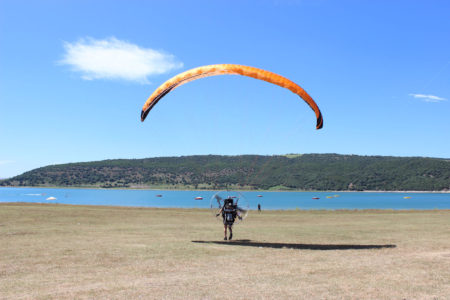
pixel 206 190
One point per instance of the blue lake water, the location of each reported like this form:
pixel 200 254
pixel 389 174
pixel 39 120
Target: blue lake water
pixel 268 200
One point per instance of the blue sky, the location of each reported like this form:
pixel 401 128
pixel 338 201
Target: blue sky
pixel 74 76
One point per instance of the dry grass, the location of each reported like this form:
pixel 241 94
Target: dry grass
pixel 60 251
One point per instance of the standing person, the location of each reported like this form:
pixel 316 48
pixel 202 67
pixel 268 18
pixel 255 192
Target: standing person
pixel 229 213
pixel 259 207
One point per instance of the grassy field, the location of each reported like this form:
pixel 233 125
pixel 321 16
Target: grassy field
pixel 60 251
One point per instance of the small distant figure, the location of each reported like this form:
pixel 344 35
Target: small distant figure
pixel 259 207
pixel 229 213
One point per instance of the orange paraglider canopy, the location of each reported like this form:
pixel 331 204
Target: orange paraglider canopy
pixel 229 69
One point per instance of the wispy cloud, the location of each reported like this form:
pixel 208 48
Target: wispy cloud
pixel 428 98
pixel 4 162
pixel 115 59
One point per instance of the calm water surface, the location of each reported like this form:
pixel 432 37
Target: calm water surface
pixel 268 200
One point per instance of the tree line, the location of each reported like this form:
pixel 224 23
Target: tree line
pixel 277 172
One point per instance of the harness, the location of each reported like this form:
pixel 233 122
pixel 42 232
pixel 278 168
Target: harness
pixel 229 214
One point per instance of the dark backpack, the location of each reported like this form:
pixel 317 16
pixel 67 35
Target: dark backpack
pixel 229 214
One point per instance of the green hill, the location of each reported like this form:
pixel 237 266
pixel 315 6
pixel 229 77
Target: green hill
pixel 278 172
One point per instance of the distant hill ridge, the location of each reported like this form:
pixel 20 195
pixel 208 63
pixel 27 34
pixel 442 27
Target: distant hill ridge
pixel 277 172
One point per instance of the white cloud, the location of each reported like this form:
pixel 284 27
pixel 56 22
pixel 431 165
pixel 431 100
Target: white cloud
pixel 4 162
pixel 428 98
pixel 115 59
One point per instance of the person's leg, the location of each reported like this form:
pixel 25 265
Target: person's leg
pixel 225 231
pixel 231 233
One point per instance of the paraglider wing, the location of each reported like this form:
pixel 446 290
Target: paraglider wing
pixel 229 69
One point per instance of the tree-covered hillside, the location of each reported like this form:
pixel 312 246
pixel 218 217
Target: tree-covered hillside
pixel 301 172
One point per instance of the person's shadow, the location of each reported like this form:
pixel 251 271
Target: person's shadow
pixel 250 243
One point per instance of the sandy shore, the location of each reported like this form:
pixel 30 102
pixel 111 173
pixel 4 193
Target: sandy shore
pixel 202 190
